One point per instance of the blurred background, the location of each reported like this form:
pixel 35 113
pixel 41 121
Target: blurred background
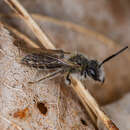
pixel 94 28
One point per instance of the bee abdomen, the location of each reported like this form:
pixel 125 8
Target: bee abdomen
pixel 33 60
pixel 41 61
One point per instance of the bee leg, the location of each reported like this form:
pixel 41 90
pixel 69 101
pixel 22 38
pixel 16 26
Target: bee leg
pixel 82 72
pixel 67 78
pixel 85 75
pixel 52 75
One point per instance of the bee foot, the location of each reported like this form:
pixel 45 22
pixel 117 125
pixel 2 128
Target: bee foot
pixel 68 81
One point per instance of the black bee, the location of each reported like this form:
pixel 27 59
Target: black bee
pixel 57 60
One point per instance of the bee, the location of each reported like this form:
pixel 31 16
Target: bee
pixel 60 63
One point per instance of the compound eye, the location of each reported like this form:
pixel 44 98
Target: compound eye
pixel 92 72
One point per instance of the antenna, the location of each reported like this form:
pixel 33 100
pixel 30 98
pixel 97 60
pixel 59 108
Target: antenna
pixel 110 57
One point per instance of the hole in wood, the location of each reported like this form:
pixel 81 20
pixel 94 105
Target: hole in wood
pixel 83 122
pixel 42 108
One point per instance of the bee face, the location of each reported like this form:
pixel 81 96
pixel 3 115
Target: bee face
pixel 94 71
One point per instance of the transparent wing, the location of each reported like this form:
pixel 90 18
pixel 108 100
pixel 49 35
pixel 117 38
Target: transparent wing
pixel 46 61
pixel 28 49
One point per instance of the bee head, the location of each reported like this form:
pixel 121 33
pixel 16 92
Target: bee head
pixel 94 71
pixel 94 68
